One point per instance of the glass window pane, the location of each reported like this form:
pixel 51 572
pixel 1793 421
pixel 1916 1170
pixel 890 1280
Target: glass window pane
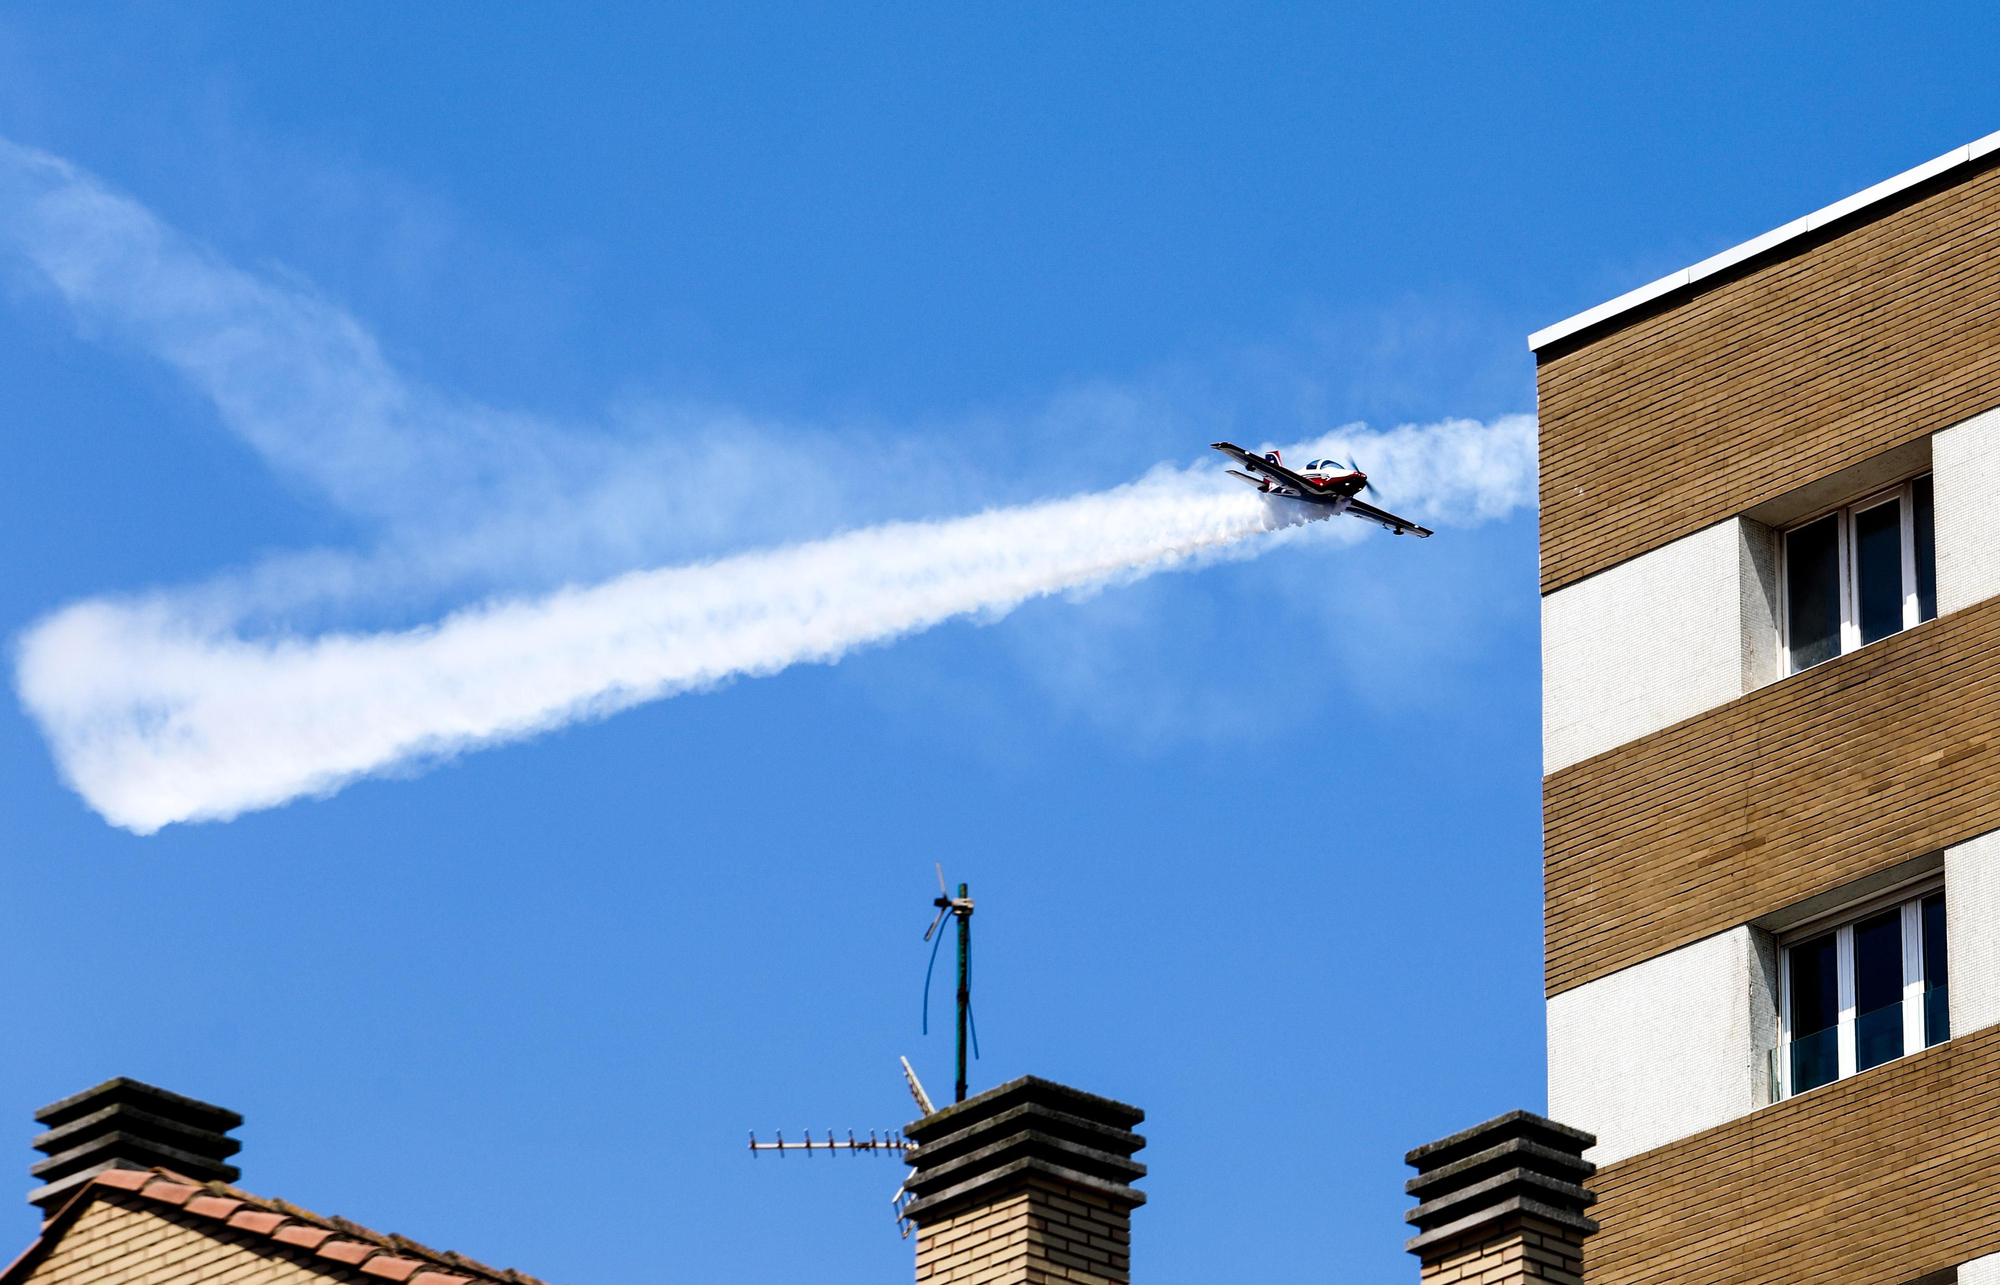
pixel 1937 1013
pixel 1816 1059
pixel 1812 592
pixel 1815 986
pixel 1878 961
pixel 1878 571
pixel 1878 989
pixel 1923 513
pixel 1878 1036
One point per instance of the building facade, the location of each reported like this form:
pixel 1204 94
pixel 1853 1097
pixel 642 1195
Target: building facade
pixel 1770 497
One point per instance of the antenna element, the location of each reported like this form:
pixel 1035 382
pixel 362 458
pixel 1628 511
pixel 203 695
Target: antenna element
pixel 892 1142
pixel 917 1089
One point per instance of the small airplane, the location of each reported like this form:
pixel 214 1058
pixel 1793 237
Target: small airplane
pixel 1327 482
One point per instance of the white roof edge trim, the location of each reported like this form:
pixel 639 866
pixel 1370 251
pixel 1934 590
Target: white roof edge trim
pixel 1757 245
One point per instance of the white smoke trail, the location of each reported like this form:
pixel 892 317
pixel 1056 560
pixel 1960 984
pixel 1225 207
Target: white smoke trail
pixel 155 724
pixel 178 707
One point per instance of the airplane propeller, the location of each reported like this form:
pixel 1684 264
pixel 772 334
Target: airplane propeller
pixel 1352 467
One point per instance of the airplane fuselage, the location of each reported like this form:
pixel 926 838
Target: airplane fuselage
pixel 1326 482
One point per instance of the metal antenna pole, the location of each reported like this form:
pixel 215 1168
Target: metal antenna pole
pixel 959 907
pixel 964 909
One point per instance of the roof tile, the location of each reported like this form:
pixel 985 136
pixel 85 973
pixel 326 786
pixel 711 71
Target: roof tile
pixel 307 1237
pixel 125 1179
pixel 393 1258
pixel 348 1251
pixel 261 1221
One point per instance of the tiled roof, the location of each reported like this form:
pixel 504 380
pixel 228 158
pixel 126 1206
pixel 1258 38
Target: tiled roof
pixel 350 1245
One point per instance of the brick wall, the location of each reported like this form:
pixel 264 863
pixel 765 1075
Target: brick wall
pixel 1798 788
pixel 1042 1233
pixel 1855 340
pixel 1875 1180
pixel 112 1243
pixel 1527 1250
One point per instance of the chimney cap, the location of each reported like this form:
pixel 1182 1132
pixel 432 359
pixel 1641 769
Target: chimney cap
pixel 128 1124
pixel 1514 1124
pixel 1028 1088
pixel 123 1090
pixel 975 1149
pixel 1514 1165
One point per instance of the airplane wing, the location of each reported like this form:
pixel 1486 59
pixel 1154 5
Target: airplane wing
pixel 1384 518
pixel 1297 486
pixel 1276 472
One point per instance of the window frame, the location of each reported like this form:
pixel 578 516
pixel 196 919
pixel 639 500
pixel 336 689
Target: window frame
pixel 1909 899
pixel 1901 494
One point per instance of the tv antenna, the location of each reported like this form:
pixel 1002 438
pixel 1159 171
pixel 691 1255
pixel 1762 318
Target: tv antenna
pixel 891 1141
pixel 895 1142
pixel 960 908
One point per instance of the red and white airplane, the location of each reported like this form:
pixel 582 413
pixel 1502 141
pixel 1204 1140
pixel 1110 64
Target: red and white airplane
pixel 1327 482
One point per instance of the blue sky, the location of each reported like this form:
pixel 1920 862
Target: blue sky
pixel 1254 844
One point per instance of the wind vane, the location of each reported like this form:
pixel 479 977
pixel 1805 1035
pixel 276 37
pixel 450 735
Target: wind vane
pixel 959 907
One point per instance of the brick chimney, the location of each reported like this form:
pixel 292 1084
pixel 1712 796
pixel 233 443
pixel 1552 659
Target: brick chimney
pixel 1025 1184
pixel 1502 1203
pixel 125 1124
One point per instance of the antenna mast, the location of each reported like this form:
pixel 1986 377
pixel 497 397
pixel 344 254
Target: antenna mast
pixel 959 907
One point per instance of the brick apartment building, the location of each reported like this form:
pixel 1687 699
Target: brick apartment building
pixel 1770 499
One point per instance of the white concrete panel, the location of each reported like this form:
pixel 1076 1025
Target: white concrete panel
pixel 1642 645
pixel 1980 1271
pixel 1757 604
pixel 1972 932
pixel 1965 461
pixel 1666 1048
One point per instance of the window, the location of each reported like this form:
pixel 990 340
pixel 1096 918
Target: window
pixel 1863 993
pixel 1859 574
